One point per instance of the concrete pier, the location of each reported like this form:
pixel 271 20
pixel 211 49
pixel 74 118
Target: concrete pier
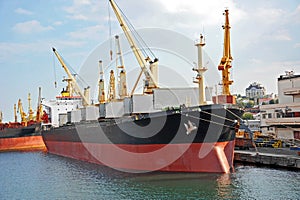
pixel 269 157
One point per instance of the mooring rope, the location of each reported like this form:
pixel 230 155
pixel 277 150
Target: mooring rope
pixel 210 121
pixel 221 117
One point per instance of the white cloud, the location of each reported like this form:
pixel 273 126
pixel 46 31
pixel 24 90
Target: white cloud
pixel 32 26
pixel 281 35
pixel 83 10
pixel 269 15
pixel 58 23
pixel 91 32
pixel 23 11
pixel 9 51
pixel 206 12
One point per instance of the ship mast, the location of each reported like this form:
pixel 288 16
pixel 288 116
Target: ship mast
pixel 101 91
pixel 30 111
pixel 39 108
pixel 22 113
pixel 200 71
pixel 1 117
pixel 121 73
pixel 72 80
pixel 112 86
pixel 225 63
pixel 152 74
pixel 15 113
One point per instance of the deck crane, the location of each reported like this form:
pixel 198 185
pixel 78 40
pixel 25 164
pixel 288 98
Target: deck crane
pixel 225 63
pixel 15 113
pixel 121 73
pixel 112 87
pixel 200 71
pixel 30 110
pixel 39 109
pixel 101 92
pixel 150 75
pixel 22 113
pixel 72 80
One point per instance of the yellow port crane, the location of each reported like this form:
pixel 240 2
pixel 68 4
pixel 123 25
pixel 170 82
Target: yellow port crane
pixel 22 113
pixel 225 63
pixel 72 81
pixel 151 74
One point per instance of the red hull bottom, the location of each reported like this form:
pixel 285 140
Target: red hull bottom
pixel 195 157
pixel 28 143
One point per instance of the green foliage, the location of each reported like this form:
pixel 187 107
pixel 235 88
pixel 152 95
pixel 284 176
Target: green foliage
pixel 247 116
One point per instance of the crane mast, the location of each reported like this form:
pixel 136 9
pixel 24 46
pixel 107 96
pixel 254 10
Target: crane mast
pixel 112 87
pixel 30 111
pixel 200 71
pixel 121 73
pixel 72 79
pixel 151 79
pixel 39 108
pixel 225 63
pixel 22 113
pixel 101 92
pixel 15 113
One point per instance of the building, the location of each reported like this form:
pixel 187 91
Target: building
pixel 255 91
pixel 283 120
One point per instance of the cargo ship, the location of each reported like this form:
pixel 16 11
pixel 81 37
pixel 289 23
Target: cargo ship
pixel 24 135
pixel 163 129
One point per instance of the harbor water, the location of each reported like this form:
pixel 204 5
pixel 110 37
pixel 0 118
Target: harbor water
pixel 38 175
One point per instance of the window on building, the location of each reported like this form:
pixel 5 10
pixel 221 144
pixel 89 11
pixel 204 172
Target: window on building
pixel 269 115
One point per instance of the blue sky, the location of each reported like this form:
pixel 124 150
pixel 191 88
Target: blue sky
pixel 264 37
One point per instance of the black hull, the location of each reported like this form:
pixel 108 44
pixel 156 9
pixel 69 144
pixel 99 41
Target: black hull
pixel 32 130
pixel 199 139
pixel 212 124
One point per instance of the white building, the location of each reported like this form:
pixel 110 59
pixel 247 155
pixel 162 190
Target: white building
pixel 255 90
pixel 283 120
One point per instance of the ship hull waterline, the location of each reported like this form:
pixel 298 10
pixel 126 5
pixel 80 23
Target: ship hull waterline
pixel 219 159
pixel 26 143
pixel 208 148
pixel 26 138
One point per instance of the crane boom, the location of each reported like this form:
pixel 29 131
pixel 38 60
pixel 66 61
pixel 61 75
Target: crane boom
pixel 137 52
pixel 71 77
pixel 225 63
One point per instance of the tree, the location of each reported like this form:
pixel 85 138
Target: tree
pixel 247 116
pixel 250 104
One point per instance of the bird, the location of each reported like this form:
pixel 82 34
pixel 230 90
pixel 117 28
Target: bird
pixel 189 127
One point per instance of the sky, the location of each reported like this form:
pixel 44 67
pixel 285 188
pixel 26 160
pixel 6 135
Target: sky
pixel 265 39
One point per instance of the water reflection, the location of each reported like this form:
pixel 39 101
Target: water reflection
pixel 225 187
pixel 46 176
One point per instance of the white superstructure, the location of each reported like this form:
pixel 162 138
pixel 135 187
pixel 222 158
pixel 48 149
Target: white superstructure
pixel 60 107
